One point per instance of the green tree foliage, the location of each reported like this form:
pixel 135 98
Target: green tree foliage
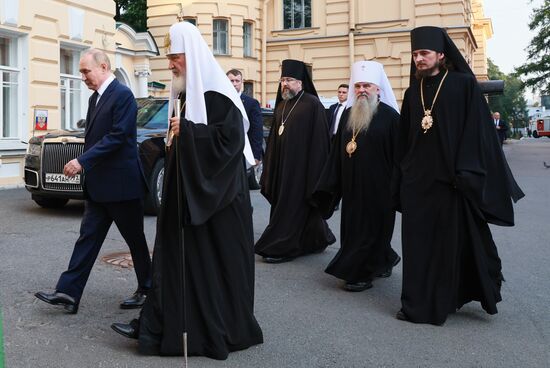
pixel 537 69
pixel 511 104
pixel 133 13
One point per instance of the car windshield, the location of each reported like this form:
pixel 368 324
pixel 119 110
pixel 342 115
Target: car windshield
pixel 152 113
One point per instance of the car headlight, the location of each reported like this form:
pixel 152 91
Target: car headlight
pixel 34 149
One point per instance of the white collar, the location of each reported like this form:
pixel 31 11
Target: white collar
pixel 105 84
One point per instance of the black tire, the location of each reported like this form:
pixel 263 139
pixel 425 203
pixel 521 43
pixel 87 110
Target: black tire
pixel 46 202
pixel 152 201
pixel 535 134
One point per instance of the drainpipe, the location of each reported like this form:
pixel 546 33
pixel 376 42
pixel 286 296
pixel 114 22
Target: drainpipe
pixel 351 40
pixel 264 53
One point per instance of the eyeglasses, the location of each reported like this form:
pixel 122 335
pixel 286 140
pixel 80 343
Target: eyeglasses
pixel 287 80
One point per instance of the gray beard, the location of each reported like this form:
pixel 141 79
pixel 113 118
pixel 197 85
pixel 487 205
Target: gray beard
pixel 288 95
pixel 362 112
pixel 178 84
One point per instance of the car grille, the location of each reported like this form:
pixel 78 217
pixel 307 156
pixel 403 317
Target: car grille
pixel 54 158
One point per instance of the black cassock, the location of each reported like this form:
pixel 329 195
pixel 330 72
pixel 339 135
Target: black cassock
pixel 362 181
pixel 292 165
pixel 218 238
pixel 454 181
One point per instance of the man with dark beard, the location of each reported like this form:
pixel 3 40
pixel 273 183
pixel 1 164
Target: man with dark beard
pixel 206 289
pixel 452 179
pixel 359 172
pixel 296 151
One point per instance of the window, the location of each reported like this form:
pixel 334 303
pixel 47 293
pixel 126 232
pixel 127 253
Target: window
pixel 247 39
pixel 193 21
pixel 248 89
pixel 9 88
pixel 296 14
pixel 71 88
pixel 220 37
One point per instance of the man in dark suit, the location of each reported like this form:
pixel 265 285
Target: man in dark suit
pixel 501 126
pixel 255 132
pixel 335 111
pixel 114 185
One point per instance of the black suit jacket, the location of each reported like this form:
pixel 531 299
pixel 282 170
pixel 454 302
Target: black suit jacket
pixel 110 160
pixel 331 117
pixel 502 131
pixel 256 130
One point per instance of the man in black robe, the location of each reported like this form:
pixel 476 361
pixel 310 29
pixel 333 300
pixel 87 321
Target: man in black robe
pixel 359 172
pixel 208 291
pixel 453 179
pixel 297 149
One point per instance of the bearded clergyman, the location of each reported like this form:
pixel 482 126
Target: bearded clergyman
pixel 451 181
pixel 296 151
pixel 359 172
pixel 206 293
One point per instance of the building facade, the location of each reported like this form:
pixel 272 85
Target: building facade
pixel 41 43
pixel 328 35
pixel 40 47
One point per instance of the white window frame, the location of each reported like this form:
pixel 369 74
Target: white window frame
pixel 64 83
pixel 247 39
pixel 14 143
pixel 218 34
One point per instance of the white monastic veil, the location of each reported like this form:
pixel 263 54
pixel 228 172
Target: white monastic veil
pixel 372 72
pixel 203 73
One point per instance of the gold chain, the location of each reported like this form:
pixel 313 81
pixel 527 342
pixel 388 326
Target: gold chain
pixel 427 120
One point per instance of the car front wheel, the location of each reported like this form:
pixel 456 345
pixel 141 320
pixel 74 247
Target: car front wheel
pixel 152 202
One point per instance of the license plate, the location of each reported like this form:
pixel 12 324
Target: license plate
pixel 62 179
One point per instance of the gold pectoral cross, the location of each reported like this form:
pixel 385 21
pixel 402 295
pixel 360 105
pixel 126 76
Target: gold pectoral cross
pixel 427 120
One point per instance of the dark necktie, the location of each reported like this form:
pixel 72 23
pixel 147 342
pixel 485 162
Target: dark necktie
pixel 93 103
pixel 333 123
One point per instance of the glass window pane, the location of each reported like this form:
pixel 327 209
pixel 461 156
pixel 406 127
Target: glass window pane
pixel 223 43
pixel 287 14
pixel 70 103
pixel 68 61
pixel 8 52
pixel 215 43
pixel 248 89
pixel 298 14
pixel 9 109
pixel 62 105
pixel 247 39
pixel 307 13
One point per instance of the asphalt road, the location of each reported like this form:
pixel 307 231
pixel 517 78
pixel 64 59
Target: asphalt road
pixel 307 320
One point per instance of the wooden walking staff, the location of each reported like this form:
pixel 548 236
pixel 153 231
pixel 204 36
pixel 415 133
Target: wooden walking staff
pixel 177 113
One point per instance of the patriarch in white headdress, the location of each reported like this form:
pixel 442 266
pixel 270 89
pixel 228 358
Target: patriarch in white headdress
pixel 371 85
pixel 202 74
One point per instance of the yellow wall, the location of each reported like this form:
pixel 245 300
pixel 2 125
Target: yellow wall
pixel 342 32
pixel 161 14
pixel 44 25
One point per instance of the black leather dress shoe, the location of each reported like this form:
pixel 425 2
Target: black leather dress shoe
pixel 277 259
pixel 357 286
pixel 388 272
pixel 129 330
pixel 402 316
pixel 135 301
pixel 57 298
